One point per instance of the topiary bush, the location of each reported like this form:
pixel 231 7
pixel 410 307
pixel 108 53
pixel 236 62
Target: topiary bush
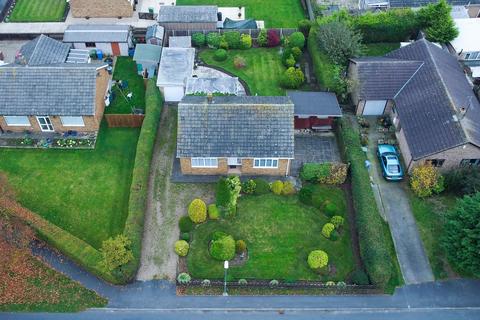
pixel 213 40
pixel 220 55
pixel 185 224
pixel 327 229
pixel 198 39
pixel 184 278
pixel 359 277
pixel 240 246
pixel 239 62
pixel 233 39
pixel 426 180
pixel 288 188
pixel 213 212
pixel 341 285
pixel 223 248
pixel 197 211
pixel 296 39
pixel 330 208
pixel 181 248
pixel 337 221
pixel 262 38
pixel 245 41
pixel 305 196
pixel 273 283
pixel 277 187
pixel 293 78
pixel 242 282
pixel 249 186
pixel 206 283
pixel 273 38
pixel 317 259
pixel 262 186
pixel 185 236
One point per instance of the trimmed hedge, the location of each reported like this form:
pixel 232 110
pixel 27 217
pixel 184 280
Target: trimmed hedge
pixel 372 238
pixel 139 188
pixel 324 69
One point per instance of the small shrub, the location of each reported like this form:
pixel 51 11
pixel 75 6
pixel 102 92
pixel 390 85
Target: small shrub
pixel 185 236
pixel 288 188
pixel 116 252
pixel 296 52
pixel 242 282
pixel 327 173
pixel 262 38
pixel 181 248
pixel 233 39
pixel 310 171
pixel 213 212
pixel 341 285
pixel 426 180
pixel 239 62
pixel 262 186
pixel 213 40
pixel 184 278
pixel 330 208
pixel 223 248
pixel 240 246
pixel 206 283
pixel 290 61
pixel 223 44
pixel 245 41
pixel 359 277
pixel 273 283
pixel 228 190
pixel 463 181
pixel 197 211
pixel 185 224
pixel 296 39
pixel 305 196
pixel 293 78
pixel 220 55
pixel 317 259
pixel 327 229
pixel 277 187
pixel 249 186
pixel 198 39
pixel 273 38
pixel 330 284
pixel 337 221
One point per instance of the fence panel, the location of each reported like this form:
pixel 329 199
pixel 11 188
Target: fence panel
pixel 124 120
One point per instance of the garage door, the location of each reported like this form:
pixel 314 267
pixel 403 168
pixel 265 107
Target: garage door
pixel 374 107
pixel 173 94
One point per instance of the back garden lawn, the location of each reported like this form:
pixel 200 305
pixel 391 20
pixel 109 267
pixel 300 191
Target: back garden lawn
pixel 280 232
pixel 84 192
pixel 38 10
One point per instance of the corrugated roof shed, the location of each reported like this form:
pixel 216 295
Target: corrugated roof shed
pixel 309 103
pixel 96 33
pixel 42 50
pixel 231 126
pixel 187 14
pixel 176 65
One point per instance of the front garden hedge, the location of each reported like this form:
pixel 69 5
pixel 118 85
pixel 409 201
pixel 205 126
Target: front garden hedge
pixel 139 188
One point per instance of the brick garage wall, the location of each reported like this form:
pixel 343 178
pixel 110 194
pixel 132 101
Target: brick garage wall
pixel 453 156
pixel 247 168
pixel 186 166
pixel 101 8
pixel 404 149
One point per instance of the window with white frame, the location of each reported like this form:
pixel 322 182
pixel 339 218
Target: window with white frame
pixel 265 163
pixel 204 163
pixel 72 121
pixel 17 121
pixel 472 55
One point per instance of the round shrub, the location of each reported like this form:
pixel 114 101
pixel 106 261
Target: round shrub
pixel 198 39
pixel 262 186
pixel 296 39
pixel 213 212
pixel 185 236
pixel 240 246
pixel 273 38
pixel 185 224
pixel 292 78
pixel 220 55
pixel 330 208
pixel 242 282
pixel 290 61
pixel 249 186
pixel 337 221
pixel 223 248
pixel 223 44
pixel 245 41
pixel 317 259
pixel 359 277
pixel 305 196
pixel 426 180
pixel 233 39
pixel 197 211
pixel 213 40
pixel 327 229
pixel 341 285
pixel 181 248
pixel 288 188
pixel 217 235
pixel 239 62
pixel 330 284
pixel 296 52
pixel 206 283
pixel 273 283
pixel 277 187
pixel 184 278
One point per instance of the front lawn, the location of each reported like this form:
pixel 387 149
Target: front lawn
pixel 38 11
pixel 262 73
pixel 280 232
pixel 126 70
pixel 275 13
pixel 84 192
pixel 379 49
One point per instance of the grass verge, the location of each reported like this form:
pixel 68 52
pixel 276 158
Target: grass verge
pixel 379 49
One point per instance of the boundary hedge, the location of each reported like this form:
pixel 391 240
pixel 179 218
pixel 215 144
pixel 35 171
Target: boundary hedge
pixel 323 68
pixel 137 203
pixel 372 230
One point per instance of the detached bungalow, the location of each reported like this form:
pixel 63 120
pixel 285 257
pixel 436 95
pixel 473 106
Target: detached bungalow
pixel 181 18
pixel 249 135
pixel 424 90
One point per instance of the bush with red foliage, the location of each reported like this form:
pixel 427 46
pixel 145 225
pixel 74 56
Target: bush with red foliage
pixel 273 38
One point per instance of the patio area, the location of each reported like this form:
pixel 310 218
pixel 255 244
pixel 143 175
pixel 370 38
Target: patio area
pixel 207 72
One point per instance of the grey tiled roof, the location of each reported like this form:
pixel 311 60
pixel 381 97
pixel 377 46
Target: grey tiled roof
pixel 58 90
pixel 419 3
pixel 42 50
pixel 309 103
pixel 232 126
pixel 96 33
pixel 187 14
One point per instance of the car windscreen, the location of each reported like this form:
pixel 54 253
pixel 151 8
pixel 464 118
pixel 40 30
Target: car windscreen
pixel 393 168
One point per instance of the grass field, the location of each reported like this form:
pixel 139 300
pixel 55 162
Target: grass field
pixel 280 232
pixel 126 69
pixel 275 13
pixel 84 192
pixel 38 11
pixel 262 73
pixel 379 49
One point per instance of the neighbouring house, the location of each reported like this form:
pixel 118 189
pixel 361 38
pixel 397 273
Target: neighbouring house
pixel 180 42
pixel 111 39
pixel 155 35
pixel 147 57
pixel 249 135
pixel 467 44
pixel 215 86
pixel 432 104
pixel 176 66
pixel 181 18
pixel 102 9
pixel 315 110
pixel 421 3
pixel 44 94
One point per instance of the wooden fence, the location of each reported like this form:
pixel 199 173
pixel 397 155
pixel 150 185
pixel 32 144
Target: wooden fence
pixel 124 120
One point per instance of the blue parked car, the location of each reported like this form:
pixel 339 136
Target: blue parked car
pixel 388 157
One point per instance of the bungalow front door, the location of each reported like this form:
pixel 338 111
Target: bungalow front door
pixel 45 124
pixel 234 162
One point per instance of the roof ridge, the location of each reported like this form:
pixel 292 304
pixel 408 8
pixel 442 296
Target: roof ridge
pixel 40 37
pixel 409 79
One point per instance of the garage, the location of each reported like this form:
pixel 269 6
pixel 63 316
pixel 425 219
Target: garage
pixel 374 107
